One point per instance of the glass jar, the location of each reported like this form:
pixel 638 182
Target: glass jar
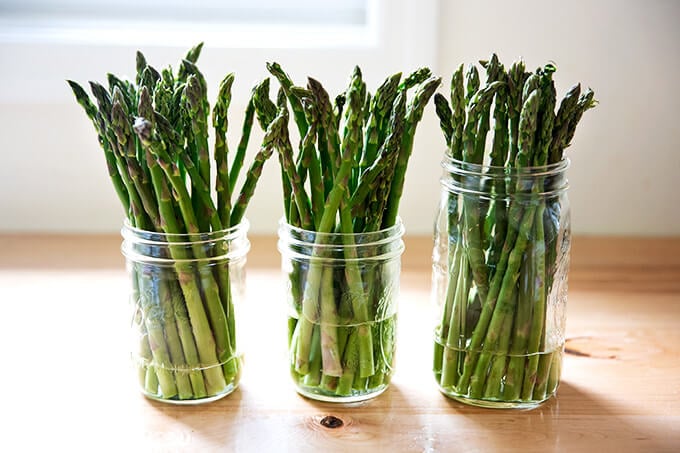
pixel 183 291
pixel 500 265
pixel 342 291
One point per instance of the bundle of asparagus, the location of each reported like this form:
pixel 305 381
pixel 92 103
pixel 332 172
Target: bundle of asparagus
pixel 154 133
pixel 501 252
pixel 341 197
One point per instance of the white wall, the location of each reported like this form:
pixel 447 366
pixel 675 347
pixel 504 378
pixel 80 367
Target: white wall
pixel 625 156
pixel 626 152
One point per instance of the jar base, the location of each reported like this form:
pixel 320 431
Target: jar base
pixel 193 402
pixel 330 398
pixel 491 404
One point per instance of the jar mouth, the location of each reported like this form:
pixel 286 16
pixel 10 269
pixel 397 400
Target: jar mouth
pixel 367 238
pixel 453 165
pixel 373 245
pixel 148 237
pixel 525 182
pixel 155 247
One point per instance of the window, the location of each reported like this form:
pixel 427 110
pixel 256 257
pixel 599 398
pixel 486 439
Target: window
pixel 225 22
pixel 221 11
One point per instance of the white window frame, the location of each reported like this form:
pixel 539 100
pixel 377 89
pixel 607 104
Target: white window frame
pixel 399 35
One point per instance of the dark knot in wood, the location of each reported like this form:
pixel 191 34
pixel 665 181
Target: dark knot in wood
pixel 331 422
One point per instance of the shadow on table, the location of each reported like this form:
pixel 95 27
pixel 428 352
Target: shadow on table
pixel 575 418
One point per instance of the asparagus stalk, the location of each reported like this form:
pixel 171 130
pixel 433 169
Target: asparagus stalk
pixel 516 79
pixel 91 111
pixel 414 114
pixel 194 104
pixel 176 330
pixel 472 230
pixel 375 179
pixel 154 327
pixel 314 275
pixel 378 114
pixel 585 102
pixel 205 323
pixel 240 155
pixel 220 121
pixel 495 72
pixel 447 361
pixel 445 114
pixel 471 83
pixel 501 288
pixel 458 103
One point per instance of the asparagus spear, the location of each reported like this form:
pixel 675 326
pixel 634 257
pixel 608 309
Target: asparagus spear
pixel 416 78
pixel 325 226
pixel 380 108
pixel 239 157
pixel 414 114
pixel 458 103
pixel 209 349
pixel 500 288
pixel 495 72
pixel 188 65
pixel 516 79
pixel 445 117
pixel 585 102
pixel 383 166
pixel 194 103
pixel 221 123
pixel 295 102
pixel 177 329
pixel 91 111
pixel 122 129
pixel 546 117
pixel 310 163
pixel 193 53
pixel 328 138
pixel 288 164
pixel 471 82
pixel 140 64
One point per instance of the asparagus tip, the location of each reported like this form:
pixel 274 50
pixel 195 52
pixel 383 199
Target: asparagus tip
pixel 75 86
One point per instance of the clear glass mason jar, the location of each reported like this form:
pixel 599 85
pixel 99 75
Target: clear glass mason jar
pixel 183 291
pixel 500 265
pixel 342 291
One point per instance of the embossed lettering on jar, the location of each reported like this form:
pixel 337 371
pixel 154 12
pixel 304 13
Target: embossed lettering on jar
pixel 184 288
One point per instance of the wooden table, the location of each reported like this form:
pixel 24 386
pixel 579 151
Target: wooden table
pixel 67 386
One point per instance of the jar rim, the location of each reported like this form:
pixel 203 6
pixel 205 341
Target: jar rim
pixel 392 232
pixel 451 164
pixel 228 244
pixel 291 237
pixel 149 237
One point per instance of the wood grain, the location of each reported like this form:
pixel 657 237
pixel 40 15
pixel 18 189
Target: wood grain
pixel 68 385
